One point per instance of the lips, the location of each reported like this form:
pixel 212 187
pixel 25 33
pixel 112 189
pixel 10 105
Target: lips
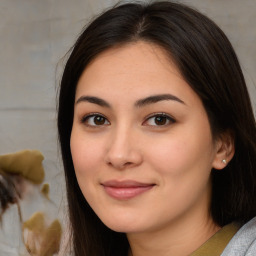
pixel 124 190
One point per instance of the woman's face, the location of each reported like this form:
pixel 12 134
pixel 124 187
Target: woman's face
pixel 141 142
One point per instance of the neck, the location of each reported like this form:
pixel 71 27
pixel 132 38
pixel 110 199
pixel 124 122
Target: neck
pixel 179 239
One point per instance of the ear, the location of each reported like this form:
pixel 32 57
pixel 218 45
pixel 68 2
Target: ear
pixel 225 150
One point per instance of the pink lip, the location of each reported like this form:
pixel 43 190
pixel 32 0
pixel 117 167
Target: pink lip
pixel 126 189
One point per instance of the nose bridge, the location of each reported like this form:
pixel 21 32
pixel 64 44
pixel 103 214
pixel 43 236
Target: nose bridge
pixel 123 150
pixel 120 136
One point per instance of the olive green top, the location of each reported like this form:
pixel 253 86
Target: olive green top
pixel 217 243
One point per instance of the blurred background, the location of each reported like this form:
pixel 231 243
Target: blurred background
pixel 34 37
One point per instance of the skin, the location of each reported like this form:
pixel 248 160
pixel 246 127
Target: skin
pixel 128 143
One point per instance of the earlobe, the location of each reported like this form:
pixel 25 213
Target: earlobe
pixel 225 150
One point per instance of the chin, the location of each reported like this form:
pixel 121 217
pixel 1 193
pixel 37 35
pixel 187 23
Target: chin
pixel 123 229
pixel 119 226
pixel 124 225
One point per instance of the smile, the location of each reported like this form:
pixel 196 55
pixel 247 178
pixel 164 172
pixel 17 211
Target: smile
pixel 124 190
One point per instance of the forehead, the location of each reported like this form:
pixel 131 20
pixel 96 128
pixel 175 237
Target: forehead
pixel 140 58
pixel 135 51
pixel 137 69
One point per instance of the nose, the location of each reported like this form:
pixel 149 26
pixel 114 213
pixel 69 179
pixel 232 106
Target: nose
pixel 123 151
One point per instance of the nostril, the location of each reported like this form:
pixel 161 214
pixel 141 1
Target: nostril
pixel 119 165
pixel 121 158
pixel 128 163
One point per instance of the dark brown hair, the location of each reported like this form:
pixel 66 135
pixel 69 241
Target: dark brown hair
pixel 209 64
pixel 9 193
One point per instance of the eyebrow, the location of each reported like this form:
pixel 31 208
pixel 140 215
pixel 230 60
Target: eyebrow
pixel 156 98
pixel 94 100
pixel 139 103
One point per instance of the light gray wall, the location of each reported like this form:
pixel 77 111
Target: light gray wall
pixel 35 34
pixel 237 19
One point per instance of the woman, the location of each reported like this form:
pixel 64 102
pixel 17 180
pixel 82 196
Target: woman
pixel 157 136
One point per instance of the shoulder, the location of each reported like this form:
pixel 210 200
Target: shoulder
pixel 244 241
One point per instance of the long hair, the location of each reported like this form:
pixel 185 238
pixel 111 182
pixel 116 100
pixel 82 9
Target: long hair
pixel 209 65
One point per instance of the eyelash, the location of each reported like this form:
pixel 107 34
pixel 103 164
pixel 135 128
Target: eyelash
pixel 166 117
pixel 85 119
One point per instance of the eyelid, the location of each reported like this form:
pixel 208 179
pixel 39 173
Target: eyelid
pixel 87 116
pixel 152 115
pixel 163 114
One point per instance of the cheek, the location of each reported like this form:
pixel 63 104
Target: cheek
pixel 170 159
pixel 86 155
pixel 181 153
pixel 183 164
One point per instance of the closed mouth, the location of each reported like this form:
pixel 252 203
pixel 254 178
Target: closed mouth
pixel 127 189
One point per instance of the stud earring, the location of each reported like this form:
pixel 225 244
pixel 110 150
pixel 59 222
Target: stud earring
pixel 224 161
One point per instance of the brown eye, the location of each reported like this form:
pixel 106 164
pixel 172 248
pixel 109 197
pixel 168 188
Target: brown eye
pixel 159 120
pixel 95 120
pixel 99 120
